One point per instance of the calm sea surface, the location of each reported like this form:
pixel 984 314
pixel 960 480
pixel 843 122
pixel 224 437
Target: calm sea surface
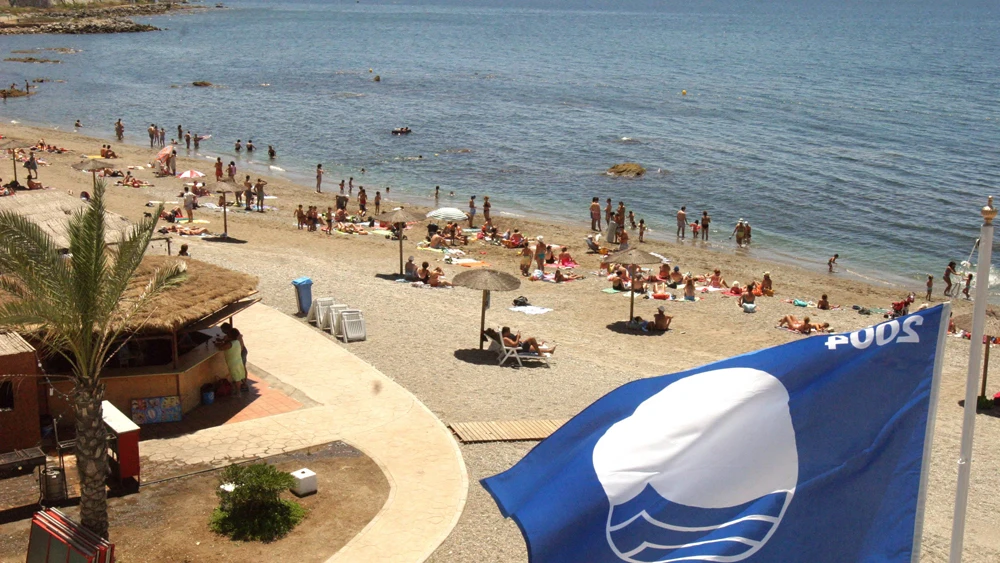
pixel 866 128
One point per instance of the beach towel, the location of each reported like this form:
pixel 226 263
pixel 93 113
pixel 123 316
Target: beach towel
pixel 473 264
pixel 530 310
pixel 234 361
pixel 429 249
pixel 611 290
pixel 711 289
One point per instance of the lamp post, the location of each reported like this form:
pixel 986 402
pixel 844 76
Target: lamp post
pixel 969 415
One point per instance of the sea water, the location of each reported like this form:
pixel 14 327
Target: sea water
pixel 864 128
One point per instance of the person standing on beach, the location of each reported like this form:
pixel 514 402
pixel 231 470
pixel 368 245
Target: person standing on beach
pixel 620 214
pixel 247 186
pixel 705 222
pixel 930 286
pixel 152 134
pixel 472 212
pixel 232 171
pixel 31 165
pixel 832 262
pixel 607 212
pixel 218 169
pixel 486 209
pixel 595 214
pixel 642 229
pixel 259 186
pixel 319 178
pixel 119 130
pixel 968 286
pixel 682 222
pixel 378 202
pixel 173 162
pixel 947 278
pixel 341 186
pixel 350 186
pixel 189 199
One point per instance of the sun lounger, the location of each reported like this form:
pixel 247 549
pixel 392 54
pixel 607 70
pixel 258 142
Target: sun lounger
pixel 314 309
pixel 353 323
pixel 505 353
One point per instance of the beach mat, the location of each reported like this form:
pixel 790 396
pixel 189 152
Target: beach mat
pixel 505 430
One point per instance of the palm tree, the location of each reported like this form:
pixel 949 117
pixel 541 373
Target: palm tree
pixel 75 307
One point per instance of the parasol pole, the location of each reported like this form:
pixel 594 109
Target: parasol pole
pixel 986 365
pixel 969 416
pixel 94 174
pixel 225 216
pixel 401 247
pixel 631 306
pixel 13 159
pixel 482 317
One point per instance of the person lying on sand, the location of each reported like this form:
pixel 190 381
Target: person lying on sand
pixel 437 278
pixel 529 344
pixel 561 277
pixel 620 280
pixel 351 228
pixel 803 326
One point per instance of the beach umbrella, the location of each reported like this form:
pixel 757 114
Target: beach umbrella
pixel 448 214
pixel 400 216
pixel 92 166
pixel 632 257
pixel 164 153
pixel 487 281
pixel 11 144
pixel 191 174
pixel 991 330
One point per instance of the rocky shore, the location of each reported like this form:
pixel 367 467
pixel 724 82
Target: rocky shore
pixel 98 19
pixel 79 26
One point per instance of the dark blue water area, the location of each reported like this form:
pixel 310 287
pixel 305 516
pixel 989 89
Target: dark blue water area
pixel 865 128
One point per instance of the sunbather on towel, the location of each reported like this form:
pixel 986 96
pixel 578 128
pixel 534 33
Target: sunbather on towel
pixel 803 326
pixel 561 277
pixel 565 260
pixel 529 344
pixel 716 280
pixel 437 278
pixel 620 280
pixel 438 242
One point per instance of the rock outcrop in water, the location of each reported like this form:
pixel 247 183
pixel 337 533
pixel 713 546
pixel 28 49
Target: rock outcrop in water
pixel 627 170
pixel 201 84
pixel 79 27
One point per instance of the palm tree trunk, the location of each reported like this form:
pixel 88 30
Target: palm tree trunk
pixel 92 458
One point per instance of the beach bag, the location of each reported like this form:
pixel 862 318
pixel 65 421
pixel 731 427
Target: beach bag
pixel 749 307
pixel 521 301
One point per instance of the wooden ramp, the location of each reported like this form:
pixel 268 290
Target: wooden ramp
pixel 505 430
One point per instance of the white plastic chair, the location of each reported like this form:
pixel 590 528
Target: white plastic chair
pixel 314 309
pixel 352 322
pixel 333 319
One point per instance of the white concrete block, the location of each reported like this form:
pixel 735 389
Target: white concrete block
pixel 305 482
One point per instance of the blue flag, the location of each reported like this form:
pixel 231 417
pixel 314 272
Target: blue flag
pixel 807 452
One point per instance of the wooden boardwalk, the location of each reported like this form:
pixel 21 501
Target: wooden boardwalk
pixel 505 430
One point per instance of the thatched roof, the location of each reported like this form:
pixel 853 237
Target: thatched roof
pixel 12 344
pixel 51 210
pixel 207 289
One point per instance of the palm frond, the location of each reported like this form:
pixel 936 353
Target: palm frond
pixel 28 253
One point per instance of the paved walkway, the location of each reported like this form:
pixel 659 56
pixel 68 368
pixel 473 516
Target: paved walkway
pixel 359 405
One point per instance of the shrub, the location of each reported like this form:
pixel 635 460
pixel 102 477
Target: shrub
pixel 254 510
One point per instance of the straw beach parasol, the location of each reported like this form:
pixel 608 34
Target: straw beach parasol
pixel 400 216
pixel 632 257
pixel 487 281
pixel 92 166
pixel 991 330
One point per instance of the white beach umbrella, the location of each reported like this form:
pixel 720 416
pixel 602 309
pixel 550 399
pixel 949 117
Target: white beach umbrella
pixel 191 174
pixel 448 214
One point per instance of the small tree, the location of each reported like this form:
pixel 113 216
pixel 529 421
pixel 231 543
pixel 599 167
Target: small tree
pixel 76 308
pixel 250 503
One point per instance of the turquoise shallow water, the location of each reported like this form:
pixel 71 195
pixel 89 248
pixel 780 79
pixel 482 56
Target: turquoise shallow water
pixel 864 128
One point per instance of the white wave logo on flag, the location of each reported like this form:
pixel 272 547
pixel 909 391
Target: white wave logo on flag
pixel 702 471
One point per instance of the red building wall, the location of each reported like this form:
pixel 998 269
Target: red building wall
pixel 19 427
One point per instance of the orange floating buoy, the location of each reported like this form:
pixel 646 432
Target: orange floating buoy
pixel 684 92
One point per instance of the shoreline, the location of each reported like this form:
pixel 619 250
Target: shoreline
pixel 203 158
pixel 109 17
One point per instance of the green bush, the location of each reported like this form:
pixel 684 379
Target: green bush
pixel 254 509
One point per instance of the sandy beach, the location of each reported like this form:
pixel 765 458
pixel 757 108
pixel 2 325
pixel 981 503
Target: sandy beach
pixel 425 339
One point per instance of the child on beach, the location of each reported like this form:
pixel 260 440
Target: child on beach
pixel 642 229
pixel 631 221
pixel 378 202
pixel 300 217
pixel 831 262
pixel 930 286
pixel 968 285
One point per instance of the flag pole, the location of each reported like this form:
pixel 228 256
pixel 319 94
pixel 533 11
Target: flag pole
pixel 972 380
pixel 925 467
